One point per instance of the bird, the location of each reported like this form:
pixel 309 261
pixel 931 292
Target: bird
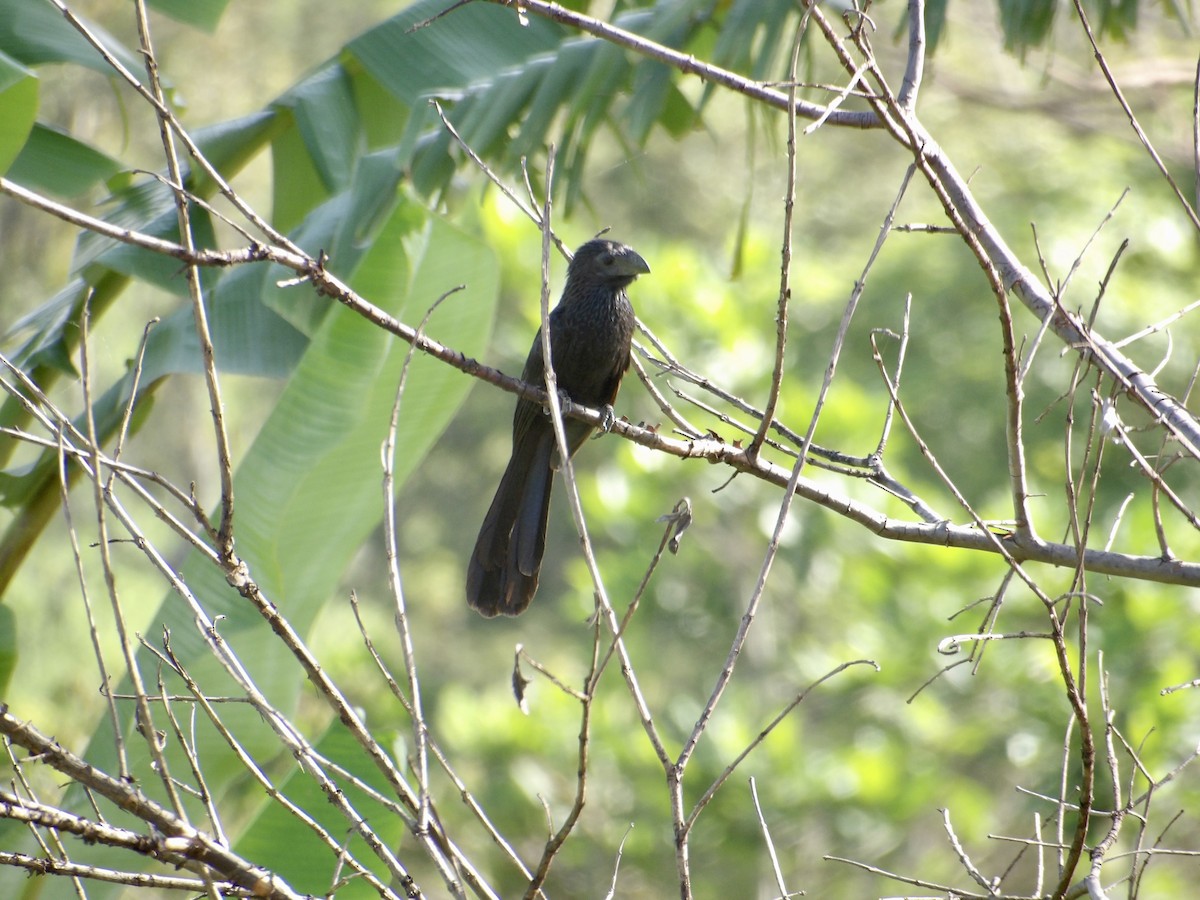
pixel 591 329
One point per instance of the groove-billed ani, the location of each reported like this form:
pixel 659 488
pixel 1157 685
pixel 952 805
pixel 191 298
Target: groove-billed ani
pixel 590 331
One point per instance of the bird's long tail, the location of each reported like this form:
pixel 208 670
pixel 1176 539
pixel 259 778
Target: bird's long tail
pixel 503 573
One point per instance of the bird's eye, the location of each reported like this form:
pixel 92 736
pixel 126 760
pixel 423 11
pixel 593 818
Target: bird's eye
pixel 607 259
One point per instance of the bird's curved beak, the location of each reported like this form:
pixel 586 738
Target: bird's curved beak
pixel 632 264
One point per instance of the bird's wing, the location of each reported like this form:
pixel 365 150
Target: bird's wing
pixel 528 415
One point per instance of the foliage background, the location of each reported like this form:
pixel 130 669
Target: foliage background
pixel 863 767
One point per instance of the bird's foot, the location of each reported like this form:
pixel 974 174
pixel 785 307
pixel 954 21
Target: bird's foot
pixel 564 404
pixel 608 419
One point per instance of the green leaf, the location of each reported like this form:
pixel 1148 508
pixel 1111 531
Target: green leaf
pixel 341 228
pixel 132 207
pixel 1117 17
pixel 935 22
pixel 297 186
pixel 41 331
pixel 327 119
pixel 416 64
pixel 18 108
pixel 164 271
pixel 560 73
pixel 56 163
pixel 654 99
pixel 1025 22
pixel 249 338
pixel 371 197
pixel 485 129
pixel 36 33
pixel 230 145
pixel 652 87
pixel 475 60
pixel 280 842
pixel 386 116
pixel 751 35
pixel 8 647
pixel 200 13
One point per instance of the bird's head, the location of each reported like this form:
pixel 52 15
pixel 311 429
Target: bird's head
pixel 607 262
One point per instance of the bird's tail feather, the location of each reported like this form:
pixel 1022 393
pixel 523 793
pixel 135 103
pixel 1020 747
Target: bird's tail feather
pixel 528 541
pixel 502 576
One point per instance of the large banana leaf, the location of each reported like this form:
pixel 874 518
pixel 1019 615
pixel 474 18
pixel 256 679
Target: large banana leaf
pixel 308 490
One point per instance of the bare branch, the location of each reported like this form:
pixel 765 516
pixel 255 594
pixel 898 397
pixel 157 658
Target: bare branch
pixel 1188 209
pixel 172 837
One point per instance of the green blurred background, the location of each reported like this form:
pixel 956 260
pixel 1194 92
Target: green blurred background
pixel 863 766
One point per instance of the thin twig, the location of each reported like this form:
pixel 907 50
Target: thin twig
pixel 395 583
pixel 785 259
pixel 143 718
pixel 766 832
pixel 1188 209
pixel 208 358
pixel 988 885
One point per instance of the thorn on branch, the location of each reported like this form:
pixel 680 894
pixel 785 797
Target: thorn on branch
pixel 313 272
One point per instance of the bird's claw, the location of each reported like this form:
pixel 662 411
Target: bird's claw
pixel 564 404
pixel 608 419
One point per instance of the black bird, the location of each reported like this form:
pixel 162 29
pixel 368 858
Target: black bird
pixel 590 332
